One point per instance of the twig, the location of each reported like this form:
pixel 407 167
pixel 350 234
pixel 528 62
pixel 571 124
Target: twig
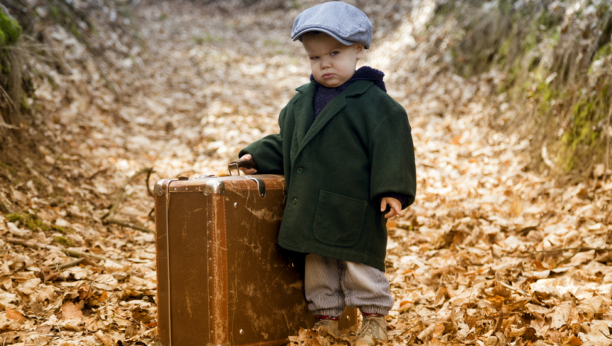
pixel 12 127
pixel 514 288
pixel 152 218
pixel 122 190
pixel 69 252
pixel 508 286
pixel 147 182
pixel 607 163
pixel 498 323
pixel 127 224
pixel 579 248
pixel 97 172
pixel 110 217
pixel 5 205
pixel 10 102
pixel 566 259
pixel 72 264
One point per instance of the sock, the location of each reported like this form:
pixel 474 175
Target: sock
pixel 365 314
pixel 323 317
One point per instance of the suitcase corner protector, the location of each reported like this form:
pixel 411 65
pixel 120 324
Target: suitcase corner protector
pixel 160 186
pixel 214 187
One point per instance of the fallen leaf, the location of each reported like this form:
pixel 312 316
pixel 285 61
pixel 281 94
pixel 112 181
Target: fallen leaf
pixel 14 315
pixel 71 311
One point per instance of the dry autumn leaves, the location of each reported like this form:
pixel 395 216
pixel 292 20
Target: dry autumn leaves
pixel 490 254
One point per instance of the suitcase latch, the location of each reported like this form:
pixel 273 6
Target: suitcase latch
pixel 261 185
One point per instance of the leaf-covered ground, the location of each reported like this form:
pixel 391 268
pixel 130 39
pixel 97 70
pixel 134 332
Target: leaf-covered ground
pixel 489 254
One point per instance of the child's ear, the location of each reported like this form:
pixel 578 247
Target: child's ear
pixel 360 50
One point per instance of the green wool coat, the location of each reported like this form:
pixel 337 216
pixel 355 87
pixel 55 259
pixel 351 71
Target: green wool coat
pixel 336 169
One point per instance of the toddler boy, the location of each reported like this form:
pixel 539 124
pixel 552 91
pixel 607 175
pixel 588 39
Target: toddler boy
pixel 346 151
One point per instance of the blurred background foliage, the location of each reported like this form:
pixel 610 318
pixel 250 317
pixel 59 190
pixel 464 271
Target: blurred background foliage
pixel 26 31
pixel 549 62
pixel 555 62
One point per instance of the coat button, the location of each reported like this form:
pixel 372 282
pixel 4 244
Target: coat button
pixel 300 170
pixel 294 201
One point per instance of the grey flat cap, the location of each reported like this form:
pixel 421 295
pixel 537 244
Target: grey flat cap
pixel 344 22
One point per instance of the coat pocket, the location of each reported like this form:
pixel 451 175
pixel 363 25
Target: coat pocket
pixel 339 219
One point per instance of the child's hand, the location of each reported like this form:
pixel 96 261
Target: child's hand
pixel 247 171
pixel 396 206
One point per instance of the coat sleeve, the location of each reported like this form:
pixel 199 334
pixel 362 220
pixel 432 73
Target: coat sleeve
pixel 391 149
pixel 268 151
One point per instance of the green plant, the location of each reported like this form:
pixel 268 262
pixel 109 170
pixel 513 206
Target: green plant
pixel 10 29
pixel 63 240
pixel 30 221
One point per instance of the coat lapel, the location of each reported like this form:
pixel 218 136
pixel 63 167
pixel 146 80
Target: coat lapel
pixel 333 107
pixel 304 111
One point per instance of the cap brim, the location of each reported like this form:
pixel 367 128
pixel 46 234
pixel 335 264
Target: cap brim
pixel 344 42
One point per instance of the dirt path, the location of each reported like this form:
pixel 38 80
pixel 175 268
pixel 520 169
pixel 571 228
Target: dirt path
pixel 212 82
pixel 476 203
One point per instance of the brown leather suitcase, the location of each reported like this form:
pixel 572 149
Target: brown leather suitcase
pixel 221 276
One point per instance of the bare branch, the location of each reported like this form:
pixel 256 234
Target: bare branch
pixel 122 190
pixel 69 252
pixel 579 249
pixel 128 224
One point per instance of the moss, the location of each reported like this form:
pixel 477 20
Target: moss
pixel 62 229
pixel 198 40
pixel 580 141
pixel 511 40
pixel 75 30
pixel 92 27
pixel 213 39
pixel 554 37
pixel 505 6
pixel 13 217
pixel 30 221
pixel 8 168
pixel 24 104
pixel 206 39
pixel 10 28
pixel 442 12
pixel 55 13
pixel 503 51
pixel 63 240
pixel 604 51
pixel 529 42
pixel 549 20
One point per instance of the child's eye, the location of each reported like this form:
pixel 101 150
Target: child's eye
pixel 314 57
pixel 334 53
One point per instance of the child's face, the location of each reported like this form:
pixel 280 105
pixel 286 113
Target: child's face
pixel 332 63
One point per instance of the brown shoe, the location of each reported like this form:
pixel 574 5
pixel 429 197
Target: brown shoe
pixel 327 326
pixel 373 327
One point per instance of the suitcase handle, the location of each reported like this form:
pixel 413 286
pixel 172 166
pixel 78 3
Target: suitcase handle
pixel 240 164
pixel 261 185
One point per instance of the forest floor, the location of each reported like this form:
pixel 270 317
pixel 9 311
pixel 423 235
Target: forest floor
pixel 490 253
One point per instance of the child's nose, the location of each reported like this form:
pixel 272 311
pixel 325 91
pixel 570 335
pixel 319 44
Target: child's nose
pixel 325 63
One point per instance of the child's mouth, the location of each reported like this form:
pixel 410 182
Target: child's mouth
pixel 328 75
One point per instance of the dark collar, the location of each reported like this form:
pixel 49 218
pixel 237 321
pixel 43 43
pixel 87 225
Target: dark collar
pixel 363 73
pixel 357 88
